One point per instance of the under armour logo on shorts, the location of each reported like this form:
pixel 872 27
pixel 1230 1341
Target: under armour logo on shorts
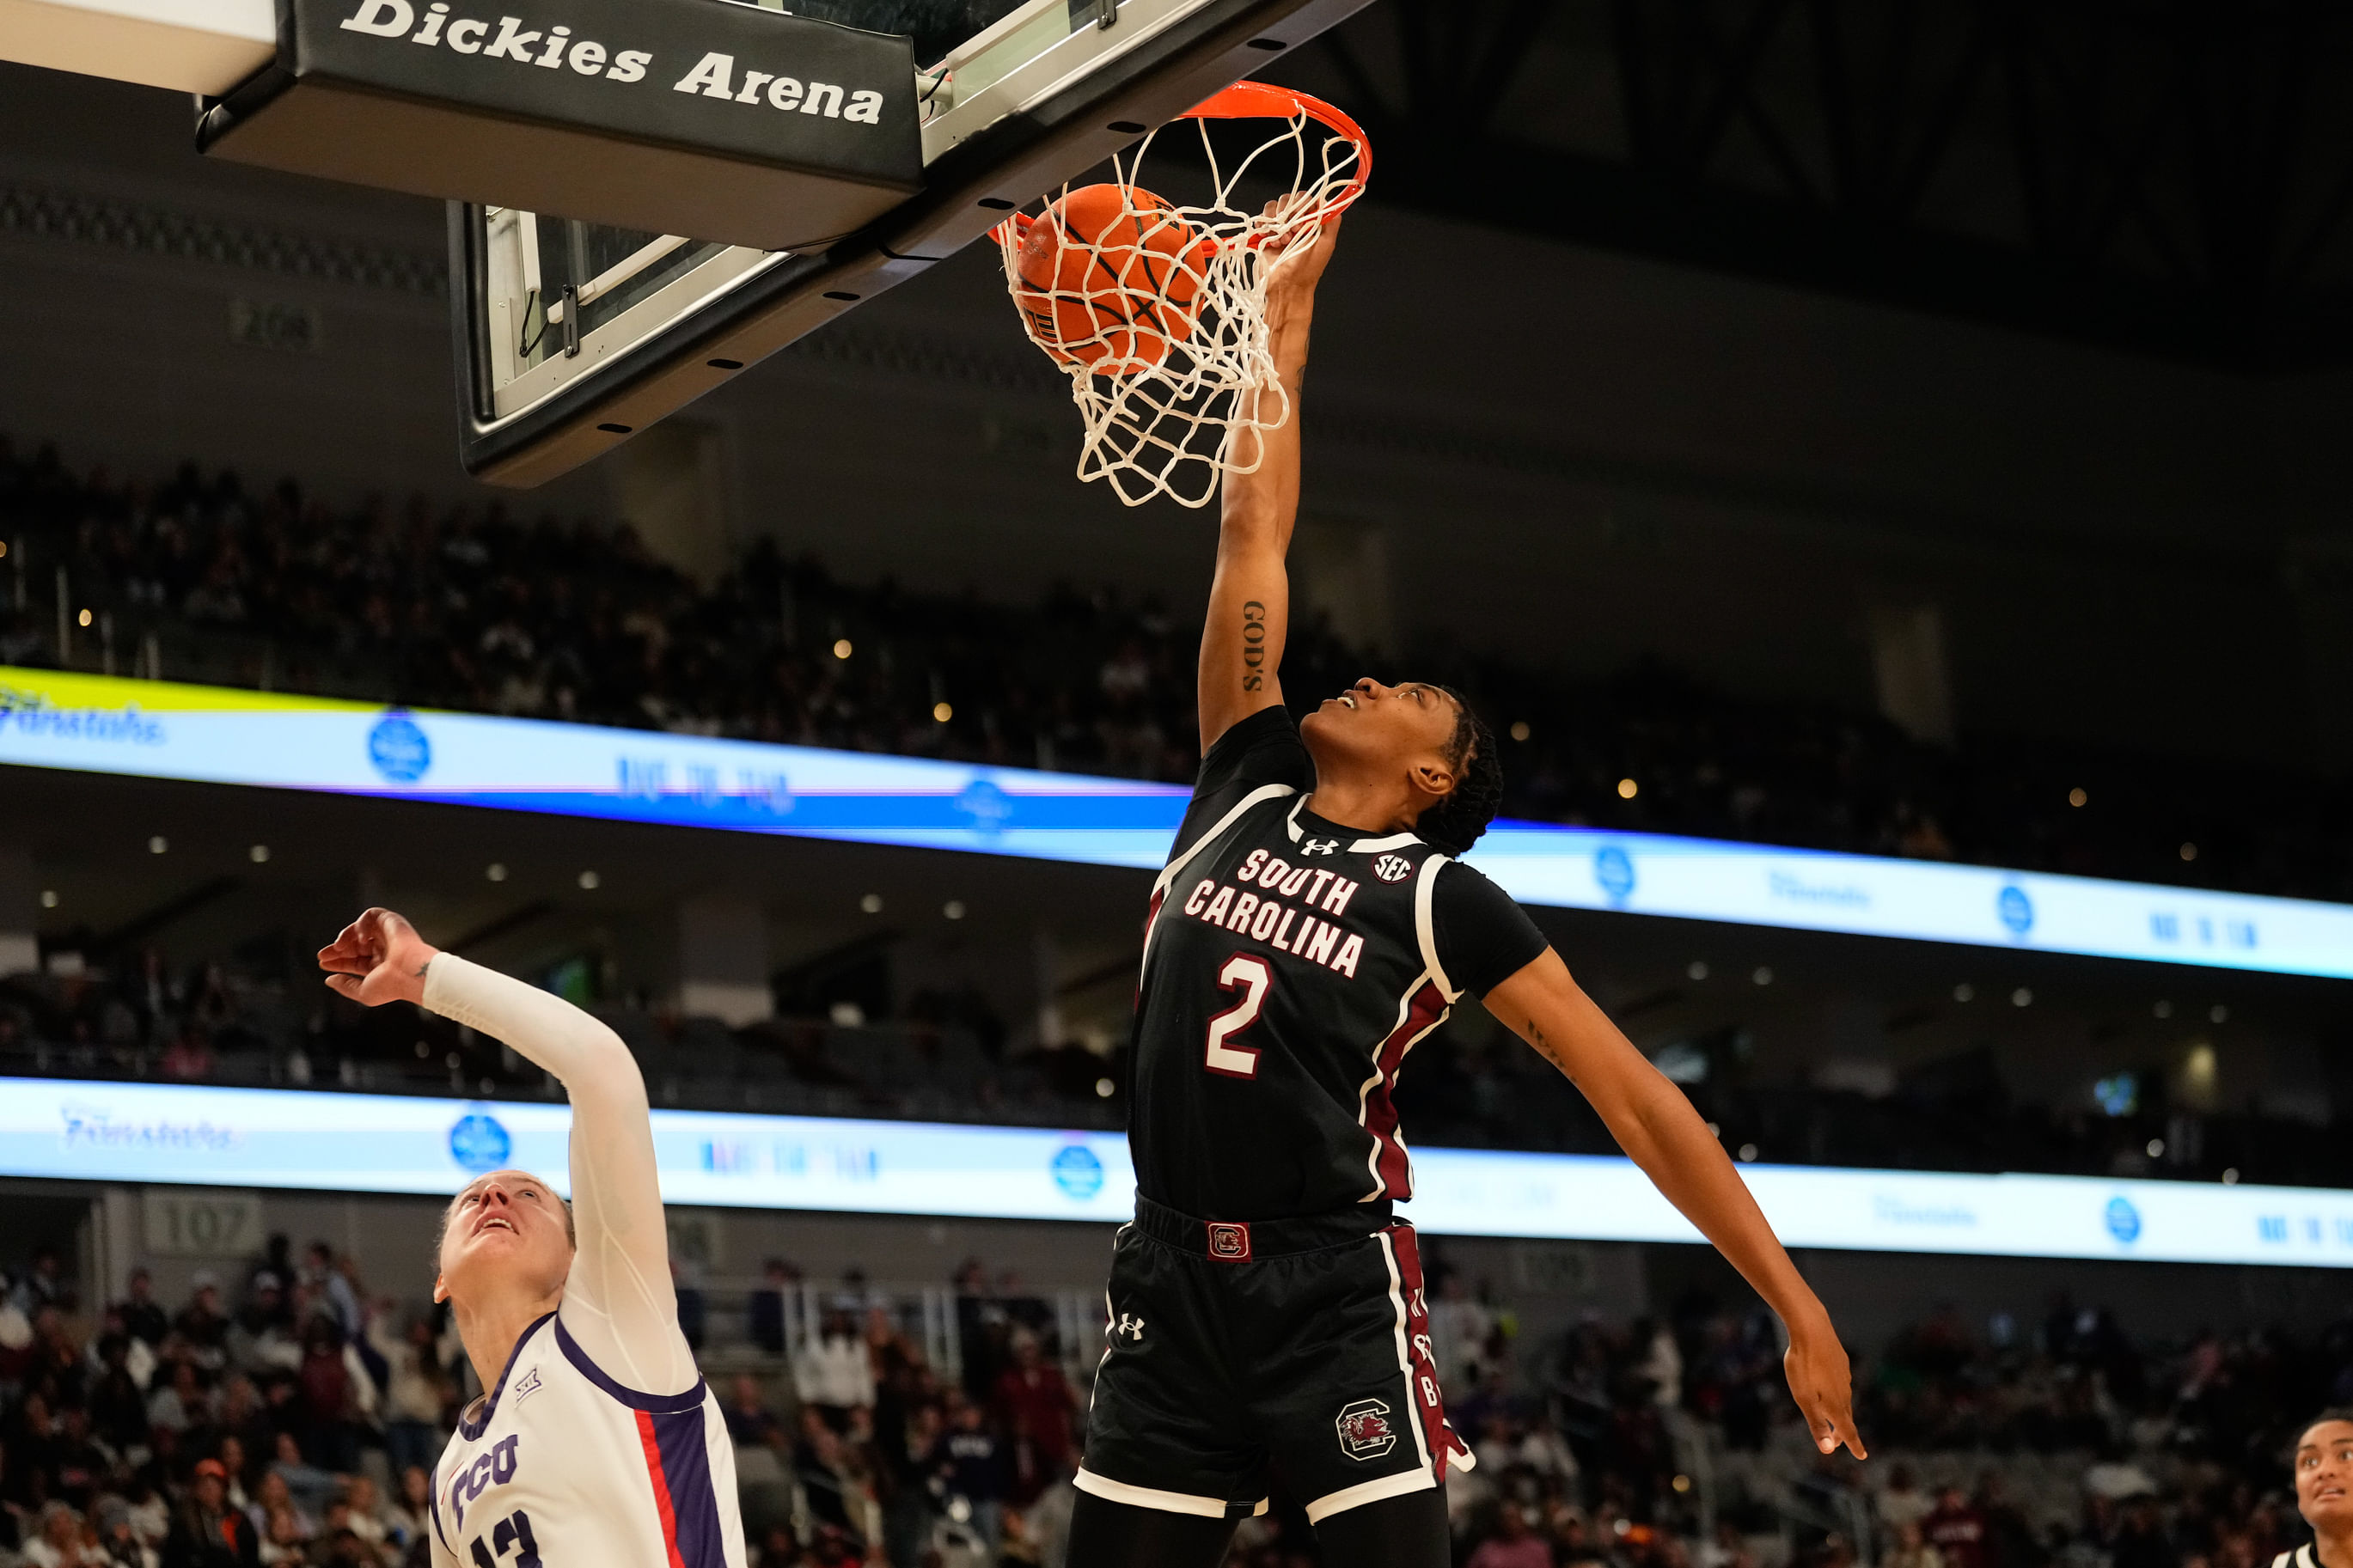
pixel 1229 1242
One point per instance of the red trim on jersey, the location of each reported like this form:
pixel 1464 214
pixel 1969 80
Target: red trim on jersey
pixel 652 1447
pixel 1380 1115
pixel 1429 1402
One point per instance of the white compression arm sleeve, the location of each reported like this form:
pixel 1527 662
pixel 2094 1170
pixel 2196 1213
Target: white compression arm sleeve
pixel 618 1302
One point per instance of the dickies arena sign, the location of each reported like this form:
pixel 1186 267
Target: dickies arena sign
pixel 704 118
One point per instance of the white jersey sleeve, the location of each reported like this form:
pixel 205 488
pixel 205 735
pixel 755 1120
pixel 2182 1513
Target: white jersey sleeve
pixel 619 1303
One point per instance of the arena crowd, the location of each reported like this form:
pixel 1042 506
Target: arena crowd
pixel 201 577
pixel 285 1415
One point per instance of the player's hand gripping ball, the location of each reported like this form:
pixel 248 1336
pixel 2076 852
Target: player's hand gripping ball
pixel 1109 277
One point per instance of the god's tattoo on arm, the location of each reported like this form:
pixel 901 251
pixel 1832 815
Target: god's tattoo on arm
pixel 1253 645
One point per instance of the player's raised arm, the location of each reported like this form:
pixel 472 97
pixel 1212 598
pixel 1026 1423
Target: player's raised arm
pixel 1250 602
pixel 1657 1127
pixel 618 1302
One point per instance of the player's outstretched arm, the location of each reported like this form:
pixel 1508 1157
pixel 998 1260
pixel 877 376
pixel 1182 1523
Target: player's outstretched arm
pixel 1659 1130
pixel 618 1301
pixel 1250 602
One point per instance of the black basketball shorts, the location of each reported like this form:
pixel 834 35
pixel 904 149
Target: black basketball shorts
pixel 1302 1344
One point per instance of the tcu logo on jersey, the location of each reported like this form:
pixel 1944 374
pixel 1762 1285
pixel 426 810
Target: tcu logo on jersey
pixel 1364 1430
pixel 1319 847
pixel 1392 867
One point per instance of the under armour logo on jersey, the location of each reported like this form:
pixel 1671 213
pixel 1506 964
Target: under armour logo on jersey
pixel 1392 867
pixel 1320 847
pixel 1132 1327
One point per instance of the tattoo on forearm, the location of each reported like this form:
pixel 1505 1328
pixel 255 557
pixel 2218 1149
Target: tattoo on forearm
pixel 1253 645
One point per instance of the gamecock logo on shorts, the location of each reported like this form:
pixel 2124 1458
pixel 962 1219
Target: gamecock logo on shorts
pixel 1364 1430
pixel 1229 1243
pixel 1392 867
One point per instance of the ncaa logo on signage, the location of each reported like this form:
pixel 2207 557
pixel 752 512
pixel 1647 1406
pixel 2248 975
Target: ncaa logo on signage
pixel 1613 870
pixel 2122 1220
pixel 1076 1171
pixel 2015 909
pixel 399 748
pixel 1364 1430
pixel 1392 867
pixel 479 1144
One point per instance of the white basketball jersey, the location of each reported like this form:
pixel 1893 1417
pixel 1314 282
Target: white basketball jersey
pixel 562 1467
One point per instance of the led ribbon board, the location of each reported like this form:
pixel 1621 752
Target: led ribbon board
pixel 157 730
pixel 182 1134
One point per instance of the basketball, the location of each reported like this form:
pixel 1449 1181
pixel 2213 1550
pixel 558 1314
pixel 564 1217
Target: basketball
pixel 1109 277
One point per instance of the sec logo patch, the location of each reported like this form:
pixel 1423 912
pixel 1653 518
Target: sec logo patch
pixel 1392 867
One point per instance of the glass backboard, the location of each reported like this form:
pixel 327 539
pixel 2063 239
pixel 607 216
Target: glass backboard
pixel 572 334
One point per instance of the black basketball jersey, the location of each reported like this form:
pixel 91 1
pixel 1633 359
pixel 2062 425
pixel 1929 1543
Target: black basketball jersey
pixel 1289 965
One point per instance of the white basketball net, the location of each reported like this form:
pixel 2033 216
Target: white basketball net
pixel 1173 427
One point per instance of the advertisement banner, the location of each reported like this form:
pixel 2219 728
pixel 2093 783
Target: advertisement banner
pixel 157 730
pixel 189 1135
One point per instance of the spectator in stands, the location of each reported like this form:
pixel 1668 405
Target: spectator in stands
pixel 143 1317
pixel 260 1338
pixel 1957 1529
pixel 201 1325
pixel 1912 1548
pixel 415 1391
pixel 750 1421
pixel 329 1279
pixel 1513 1545
pixel 1036 1404
pixel 765 1314
pixel 832 1372
pixel 1901 1501
pixel 968 1462
pixel 59 1542
pixel 207 1530
pixel 41 1285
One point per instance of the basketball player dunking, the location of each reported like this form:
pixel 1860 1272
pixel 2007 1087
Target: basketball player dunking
pixel 598 1442
pixel 1312 924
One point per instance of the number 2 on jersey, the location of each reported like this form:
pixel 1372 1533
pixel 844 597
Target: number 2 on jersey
pixel 1250 976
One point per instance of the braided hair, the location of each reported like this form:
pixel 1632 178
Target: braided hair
pixel 1454 824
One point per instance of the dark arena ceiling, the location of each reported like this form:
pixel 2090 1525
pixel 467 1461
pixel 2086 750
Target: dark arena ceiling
pixel 2171 178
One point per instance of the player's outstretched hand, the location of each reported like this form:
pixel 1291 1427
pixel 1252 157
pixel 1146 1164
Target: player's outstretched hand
pixel 1818 1380
pixel 1292 283
pixel 378 958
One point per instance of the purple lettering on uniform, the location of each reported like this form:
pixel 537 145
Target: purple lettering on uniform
pixel 503 1457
